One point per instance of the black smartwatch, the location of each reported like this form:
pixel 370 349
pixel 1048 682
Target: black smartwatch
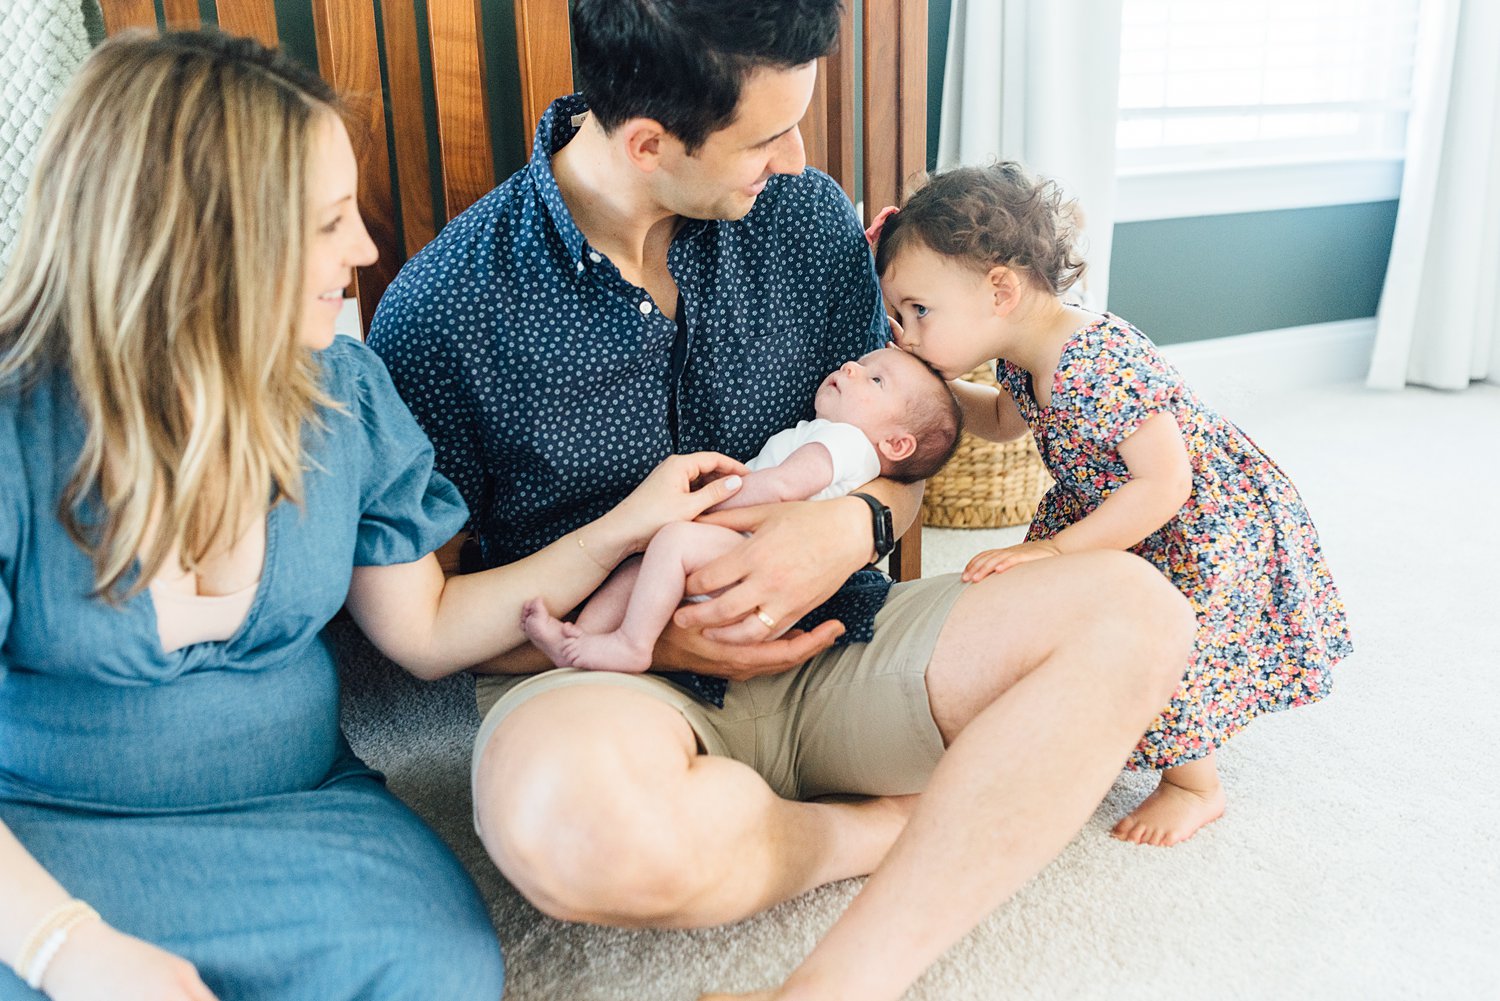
pixel 883 527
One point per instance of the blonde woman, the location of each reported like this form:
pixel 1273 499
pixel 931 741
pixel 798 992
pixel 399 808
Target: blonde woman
pixel 194 476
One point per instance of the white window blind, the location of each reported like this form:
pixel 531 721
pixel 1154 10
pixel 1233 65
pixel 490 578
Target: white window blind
pixel 1237 83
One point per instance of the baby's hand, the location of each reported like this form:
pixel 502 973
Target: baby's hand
pixel 999 560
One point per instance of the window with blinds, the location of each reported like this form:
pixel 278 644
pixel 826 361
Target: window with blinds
pixel 1234 83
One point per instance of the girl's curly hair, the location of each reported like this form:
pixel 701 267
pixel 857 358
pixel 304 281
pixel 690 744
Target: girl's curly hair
pixel 993 215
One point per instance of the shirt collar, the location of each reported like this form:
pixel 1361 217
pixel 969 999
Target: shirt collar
pixel 553 133
pixel 559 124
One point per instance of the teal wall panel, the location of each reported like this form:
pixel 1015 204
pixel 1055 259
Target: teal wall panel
pixel 1192 279
pixel 939 13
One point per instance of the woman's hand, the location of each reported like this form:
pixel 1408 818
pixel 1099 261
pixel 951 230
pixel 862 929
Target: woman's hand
pixel 999 560
pixel 679 489
pixel 101 963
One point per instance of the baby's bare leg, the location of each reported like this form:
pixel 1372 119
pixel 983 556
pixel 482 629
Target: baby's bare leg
pixel 602 613
pixel 676 551
pixel 605 609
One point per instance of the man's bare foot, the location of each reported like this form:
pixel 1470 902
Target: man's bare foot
pixel 546 631
pixel 606 652
pixel 1188 799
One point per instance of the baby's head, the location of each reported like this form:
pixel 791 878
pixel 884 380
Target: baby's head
pixel 944 259
pixel 902 405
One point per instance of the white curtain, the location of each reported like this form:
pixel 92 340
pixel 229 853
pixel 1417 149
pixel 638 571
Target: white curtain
pixel 1439 318
pixel 1038 81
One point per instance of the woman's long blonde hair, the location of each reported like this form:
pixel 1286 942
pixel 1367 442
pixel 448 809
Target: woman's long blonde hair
pixel 160 263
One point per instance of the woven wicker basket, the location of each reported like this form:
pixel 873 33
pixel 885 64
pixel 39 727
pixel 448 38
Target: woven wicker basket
pixel 987 484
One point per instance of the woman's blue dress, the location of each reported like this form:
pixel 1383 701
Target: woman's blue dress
pixel 204 800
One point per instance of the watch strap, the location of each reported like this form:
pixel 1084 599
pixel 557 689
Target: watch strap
pixel 882 525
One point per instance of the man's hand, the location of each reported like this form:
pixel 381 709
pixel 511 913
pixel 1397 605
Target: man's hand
pixel 689 650
pixel 799 556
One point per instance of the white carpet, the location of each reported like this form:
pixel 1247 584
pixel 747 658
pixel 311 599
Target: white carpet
pixel 1358 858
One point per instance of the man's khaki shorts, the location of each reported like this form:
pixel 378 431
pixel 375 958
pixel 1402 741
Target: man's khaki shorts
pixel 853 720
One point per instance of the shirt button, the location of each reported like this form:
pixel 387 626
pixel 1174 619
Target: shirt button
pixel 594 256
pixel 580 267
pixel 645 309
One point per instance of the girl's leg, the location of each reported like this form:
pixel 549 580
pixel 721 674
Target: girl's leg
pixel 675 552
pixel 1189 797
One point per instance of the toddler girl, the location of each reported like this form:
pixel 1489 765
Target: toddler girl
pixel 974 268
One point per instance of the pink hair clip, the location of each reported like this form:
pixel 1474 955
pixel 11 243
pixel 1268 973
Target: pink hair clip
pixel 873 233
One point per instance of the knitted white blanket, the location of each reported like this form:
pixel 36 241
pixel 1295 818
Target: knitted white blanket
pixel 41 44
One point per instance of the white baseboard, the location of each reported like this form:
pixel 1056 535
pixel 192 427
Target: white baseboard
pixel 1226 369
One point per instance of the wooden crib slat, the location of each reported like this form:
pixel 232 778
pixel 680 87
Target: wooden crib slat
pixel 913 100
pixel 545 55
pixel 838 69
pixel 122 14
pixel 462 111
pixel 253 18
pixel 882 74
pixel 182 13
pixel 408 123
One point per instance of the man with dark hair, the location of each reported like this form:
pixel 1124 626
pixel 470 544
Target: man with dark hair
pixel 665 276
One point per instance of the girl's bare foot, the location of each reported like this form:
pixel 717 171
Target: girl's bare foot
pixel 1189 798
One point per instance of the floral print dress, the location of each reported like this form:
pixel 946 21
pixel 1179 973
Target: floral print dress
pixel 1242 549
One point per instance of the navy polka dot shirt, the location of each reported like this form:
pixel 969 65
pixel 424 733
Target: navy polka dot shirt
pixel 550 386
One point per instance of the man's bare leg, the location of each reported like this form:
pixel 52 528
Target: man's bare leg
pixel 596 804
pixel 1093 647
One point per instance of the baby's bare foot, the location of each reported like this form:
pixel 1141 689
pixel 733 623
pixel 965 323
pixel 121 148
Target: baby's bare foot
pixel 1172 814
pixel 607 652
pixel 546 631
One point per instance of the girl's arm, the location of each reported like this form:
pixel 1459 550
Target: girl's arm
pixel 989 413
pixel 435 626
pixel 1161 481
pixel 94 960
pixel 797 477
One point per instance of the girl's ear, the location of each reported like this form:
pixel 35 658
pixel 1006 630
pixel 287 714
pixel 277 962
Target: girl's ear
pixel 1005 286
pixel 642 139
pixel 897 445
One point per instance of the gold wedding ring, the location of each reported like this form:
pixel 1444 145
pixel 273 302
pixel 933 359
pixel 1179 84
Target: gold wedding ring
pixel 765 619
